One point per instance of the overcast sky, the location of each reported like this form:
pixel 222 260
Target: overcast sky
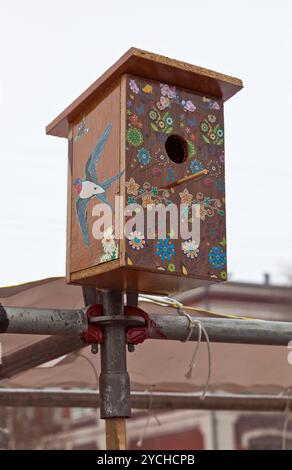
pixel 51 51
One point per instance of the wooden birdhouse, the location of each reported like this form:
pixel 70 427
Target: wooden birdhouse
pixel 148 135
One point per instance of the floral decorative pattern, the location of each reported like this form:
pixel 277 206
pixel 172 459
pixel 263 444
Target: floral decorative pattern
pixel 132 187
pixel 143 156
pixel 161 123
pixel 210 134
pixel 136 240
pixel 217 257
pixel 188 105
pixel 171 267
pixel 110 249
pixel 196 166
pixel 134 137
pixel 134 87
pixel 165 249
pixel 190 249
pixel 154 112
pixel 185 197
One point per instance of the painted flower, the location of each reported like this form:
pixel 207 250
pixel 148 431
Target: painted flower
pixel 163 103
pixel 205 126
pixel 169 120
pixel 171 267
pixel 169 91
pixel 212 118
pixel 136 240
pixel 134 137
pixel 190 249
pixel 186 197
pixel 215 105
pixel 109 246
pixel 217 257
pixel 147 88
pixel 108 239
pixel 214 168
pixel 196 166
pixel 223 275
pixel 132 187
pixel 188 105
pixel 220 132
pixel 143 156
pixel 220 184
pixel 153 114
pixel 147 200
pixel 222 157
pixel 134 87
pixel 165 249
pixel 134 120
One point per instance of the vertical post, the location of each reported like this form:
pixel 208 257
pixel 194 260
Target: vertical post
pixel 114 382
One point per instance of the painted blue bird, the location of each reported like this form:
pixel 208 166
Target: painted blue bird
pixel 89 186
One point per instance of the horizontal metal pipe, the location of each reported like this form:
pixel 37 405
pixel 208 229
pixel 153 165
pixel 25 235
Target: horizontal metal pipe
pixel 140 400
pixel 161 326
pixel 220 330
pixel 42 321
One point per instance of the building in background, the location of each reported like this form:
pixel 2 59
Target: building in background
pixel 64 428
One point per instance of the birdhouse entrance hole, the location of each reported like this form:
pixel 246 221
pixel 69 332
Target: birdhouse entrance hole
pixel 176 148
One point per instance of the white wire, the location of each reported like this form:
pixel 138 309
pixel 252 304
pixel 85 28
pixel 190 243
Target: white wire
pixel 192 323
pixel 149 413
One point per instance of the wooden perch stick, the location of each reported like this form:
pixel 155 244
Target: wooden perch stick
pixel 186 179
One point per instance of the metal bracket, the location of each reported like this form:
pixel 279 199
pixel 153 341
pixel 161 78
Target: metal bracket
pixel 94 334
pixel 134 320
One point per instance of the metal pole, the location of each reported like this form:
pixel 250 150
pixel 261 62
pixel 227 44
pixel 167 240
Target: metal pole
pixel 161 326
pixel 140 400
pixel 222 330
pixel 42 321
pixel 114 381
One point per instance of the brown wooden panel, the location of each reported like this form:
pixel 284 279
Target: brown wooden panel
pixel 87 131
pixel 150 66
pixel 137 280
pixel 156 111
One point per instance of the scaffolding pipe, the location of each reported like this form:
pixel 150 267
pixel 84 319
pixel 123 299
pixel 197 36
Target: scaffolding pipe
pixel 77 398
pixel 161 326
pixel 42 321
pixel 221 330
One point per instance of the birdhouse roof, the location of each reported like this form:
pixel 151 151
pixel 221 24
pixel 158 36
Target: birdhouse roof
pixel 152 66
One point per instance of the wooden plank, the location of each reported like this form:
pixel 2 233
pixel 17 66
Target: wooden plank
pixel 131 279
pixel 69 208
pixel 96 119
pixel 149 65
pixel 115 432
pixel 38 353
pixel 123 110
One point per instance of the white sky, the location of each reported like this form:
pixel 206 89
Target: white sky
pixel 51 51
